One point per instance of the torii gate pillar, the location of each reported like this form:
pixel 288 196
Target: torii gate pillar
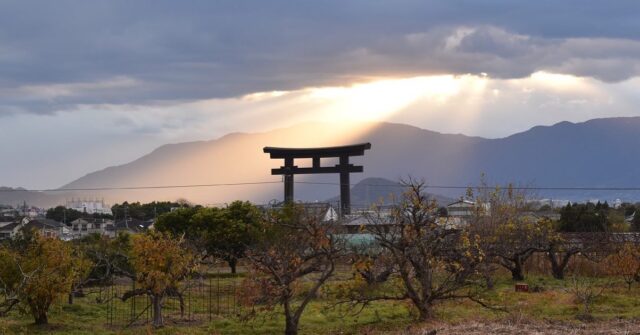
pixel 344 168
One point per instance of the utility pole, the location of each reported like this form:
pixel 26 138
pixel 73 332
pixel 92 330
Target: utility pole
pixel 155 216
pixel 126 223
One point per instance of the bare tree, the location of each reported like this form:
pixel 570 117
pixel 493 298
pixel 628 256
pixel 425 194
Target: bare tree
pixel 296 244
pixel 559 254
pixel 562 247
pixel 433 262
pixel 110 258
pixel 626 263
pixel 586 288
pixel 509 232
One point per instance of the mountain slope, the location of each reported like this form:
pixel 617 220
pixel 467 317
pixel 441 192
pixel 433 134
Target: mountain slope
pixel 16 197
pixel 601 152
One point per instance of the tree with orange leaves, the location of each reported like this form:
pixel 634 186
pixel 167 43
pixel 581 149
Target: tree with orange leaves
pixel 508 232
pixel 433 262
pixel 295 244
pixel 37 276
pixel 160 262
pixel 626 263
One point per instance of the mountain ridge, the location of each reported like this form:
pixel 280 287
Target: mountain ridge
pixel 597 152
pixel 203 142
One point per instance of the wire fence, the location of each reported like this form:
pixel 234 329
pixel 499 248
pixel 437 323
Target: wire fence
pixel 203 298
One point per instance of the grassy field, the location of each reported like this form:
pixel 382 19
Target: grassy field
pixel 552 302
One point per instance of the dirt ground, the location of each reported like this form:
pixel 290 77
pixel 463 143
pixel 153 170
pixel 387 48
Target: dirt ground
pixel 619 327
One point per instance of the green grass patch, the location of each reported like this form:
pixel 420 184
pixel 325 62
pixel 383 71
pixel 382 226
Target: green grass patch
pixel 553 301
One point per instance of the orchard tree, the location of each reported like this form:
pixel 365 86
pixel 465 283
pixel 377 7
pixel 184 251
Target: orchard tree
pixel 562 247
pixel 626 263
pixel 110 257
pixel 82 270
pixel 227 232
pixel 585 288
pixel 178 222
pixel 11 280
pixel 559 252
pixel 222 232
pixel 372 265
pixel 433 262
pixel 160 262
pixel 509 233
pixel 35 278
pixel 104 259
pixel 295 244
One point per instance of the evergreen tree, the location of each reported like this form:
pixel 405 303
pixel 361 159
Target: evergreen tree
pixel 587 217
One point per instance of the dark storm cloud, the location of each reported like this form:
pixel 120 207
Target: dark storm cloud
pixel 58 54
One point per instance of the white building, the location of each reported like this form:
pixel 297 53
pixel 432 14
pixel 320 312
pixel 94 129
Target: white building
pixel 617 203
pixel 89 206
pixel 462 208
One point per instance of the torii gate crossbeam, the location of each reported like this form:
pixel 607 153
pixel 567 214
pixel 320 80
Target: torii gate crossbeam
pixel 344 168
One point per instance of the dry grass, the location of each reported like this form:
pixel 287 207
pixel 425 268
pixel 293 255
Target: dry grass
pixel 552 310
pixel 528 327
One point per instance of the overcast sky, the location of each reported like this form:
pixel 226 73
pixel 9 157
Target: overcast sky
pixel 88 84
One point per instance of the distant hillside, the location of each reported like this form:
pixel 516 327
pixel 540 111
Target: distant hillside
pixel 601 152
pixel 375 190
pixel 17 196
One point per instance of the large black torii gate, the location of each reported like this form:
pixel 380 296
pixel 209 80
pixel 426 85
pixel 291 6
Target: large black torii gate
pixel 343 167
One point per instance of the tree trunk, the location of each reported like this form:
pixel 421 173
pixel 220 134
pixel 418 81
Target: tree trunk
pixel 232 264
pixel 158 321
pixel 425 312
pixel 559 263
pixel 181 299
pixel 291 326
pixel 516 271
pixel 71 298
pixel 291 321
pixel 489 282
pixel 557 272
pixel 41 319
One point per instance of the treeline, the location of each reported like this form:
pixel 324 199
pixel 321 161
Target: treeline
pixel 598 217
pixel 68 215
pixel 133 210
pixel 148 211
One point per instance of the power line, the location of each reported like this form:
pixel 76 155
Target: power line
pixel 532 188
pixel 151 187
pixel 139 187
